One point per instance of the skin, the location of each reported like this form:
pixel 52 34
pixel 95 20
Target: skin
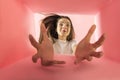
pixel 46 56
pixel 86 50
pixel 63 28
pixel 83 51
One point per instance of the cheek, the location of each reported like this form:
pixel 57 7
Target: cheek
pixel 58 29
pixel 69 29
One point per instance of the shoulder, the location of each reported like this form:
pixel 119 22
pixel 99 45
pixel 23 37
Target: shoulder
pixel 73 43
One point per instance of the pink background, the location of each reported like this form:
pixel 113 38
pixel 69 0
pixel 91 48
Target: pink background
pixel 17 22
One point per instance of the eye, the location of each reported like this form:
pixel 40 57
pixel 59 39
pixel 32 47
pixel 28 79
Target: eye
pixel 61 24
pixel 68 25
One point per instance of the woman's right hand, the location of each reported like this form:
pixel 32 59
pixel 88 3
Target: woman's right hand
pixel 44 49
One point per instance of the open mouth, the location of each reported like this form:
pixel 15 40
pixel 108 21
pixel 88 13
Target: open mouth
pixel 64 30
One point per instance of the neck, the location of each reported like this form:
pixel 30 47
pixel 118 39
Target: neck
pixel 62 38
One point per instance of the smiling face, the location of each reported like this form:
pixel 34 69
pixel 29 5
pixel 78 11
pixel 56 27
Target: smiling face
pixel 63 27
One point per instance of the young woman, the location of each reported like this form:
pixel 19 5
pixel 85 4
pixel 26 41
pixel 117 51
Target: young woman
pixel 60 33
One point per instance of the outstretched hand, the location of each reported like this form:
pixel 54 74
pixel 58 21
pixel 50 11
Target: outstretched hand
pixel 44 49
pixel 86 50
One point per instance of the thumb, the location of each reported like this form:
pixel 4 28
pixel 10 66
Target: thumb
pixel 78 60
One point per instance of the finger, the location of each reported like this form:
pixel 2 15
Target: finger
pixel 90 32
pixel 42 27
pixel 35 58
pixel 43 31
pixel 78 60
pixel 40 38
pixel 33 41
pixel 52 62
pixel 46 63
pixel 58 62
pixel 89 58
pixel 99 42
pixel 97 54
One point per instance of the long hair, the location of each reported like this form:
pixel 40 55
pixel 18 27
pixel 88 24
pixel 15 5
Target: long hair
pixel 51 23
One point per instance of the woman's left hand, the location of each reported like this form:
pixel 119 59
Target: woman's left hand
pixel 86 50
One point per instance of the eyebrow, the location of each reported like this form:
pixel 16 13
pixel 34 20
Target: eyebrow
pixel 65 22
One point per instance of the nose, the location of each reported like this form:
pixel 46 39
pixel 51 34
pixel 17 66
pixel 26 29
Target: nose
pixel 64 26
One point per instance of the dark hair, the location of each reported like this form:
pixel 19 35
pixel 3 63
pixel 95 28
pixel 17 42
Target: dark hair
pixel 50 22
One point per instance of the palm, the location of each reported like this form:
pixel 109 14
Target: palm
pixel 86 50
pixel 44 49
